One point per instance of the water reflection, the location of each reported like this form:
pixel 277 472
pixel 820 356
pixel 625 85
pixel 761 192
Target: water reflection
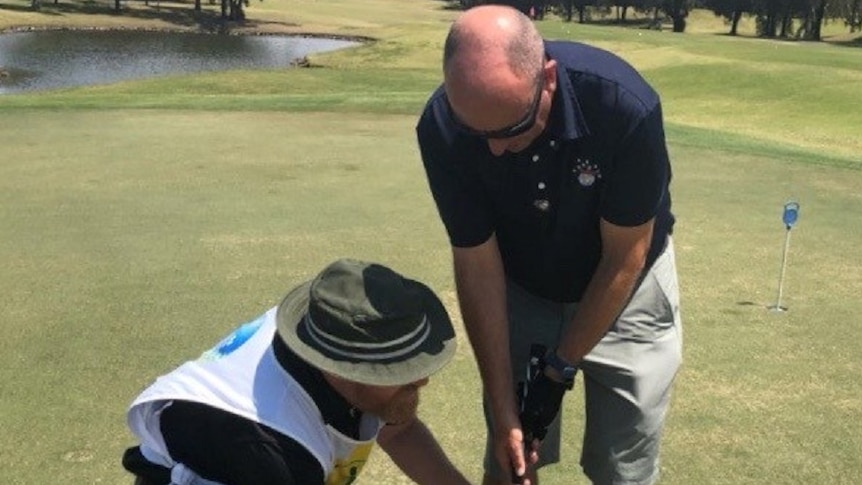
pixel 51 59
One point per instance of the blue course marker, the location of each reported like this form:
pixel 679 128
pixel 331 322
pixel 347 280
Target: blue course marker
pixel 789 217
pixel 791 214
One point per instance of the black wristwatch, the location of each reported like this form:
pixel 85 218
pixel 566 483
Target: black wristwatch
pixel 565 369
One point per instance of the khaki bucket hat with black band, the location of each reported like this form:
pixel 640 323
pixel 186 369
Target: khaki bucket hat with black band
pixel 366 323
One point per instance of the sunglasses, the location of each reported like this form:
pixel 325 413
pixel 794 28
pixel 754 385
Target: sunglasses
pixel 518 128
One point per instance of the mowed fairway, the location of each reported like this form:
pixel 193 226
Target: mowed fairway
pixel 142 221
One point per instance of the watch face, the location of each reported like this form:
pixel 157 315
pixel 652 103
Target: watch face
pixel 566 370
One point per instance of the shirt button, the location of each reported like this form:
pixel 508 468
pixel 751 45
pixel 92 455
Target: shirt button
pixel 553 143
pixel 535 158
pixel 541 185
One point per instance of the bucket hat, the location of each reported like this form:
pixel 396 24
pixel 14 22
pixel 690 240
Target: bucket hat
pixel 366 323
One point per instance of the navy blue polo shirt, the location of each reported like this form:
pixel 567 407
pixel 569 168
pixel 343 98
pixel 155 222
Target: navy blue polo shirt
pixel 602 155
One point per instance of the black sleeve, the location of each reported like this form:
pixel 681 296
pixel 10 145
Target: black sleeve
pixel 639 182
pixel 226 448
pixel 146 472
pixel 456 191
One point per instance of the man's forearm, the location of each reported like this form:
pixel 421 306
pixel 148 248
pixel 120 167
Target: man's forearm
pixel 414 450
pixel 603 300
pixel 481 288
pixel 620 267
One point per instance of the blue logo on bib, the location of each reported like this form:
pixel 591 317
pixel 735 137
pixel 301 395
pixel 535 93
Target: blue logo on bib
pixel 235 339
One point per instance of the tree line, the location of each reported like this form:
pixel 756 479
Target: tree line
pixel 800 19
pixel 230 9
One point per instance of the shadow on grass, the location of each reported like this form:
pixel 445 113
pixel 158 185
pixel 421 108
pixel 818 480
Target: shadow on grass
pixel 182 15
pixel 771 306
pixel 789 40
pixel 854 42
pixel 751 303
pixel 46 10
pixel 637 23
pixel 847 40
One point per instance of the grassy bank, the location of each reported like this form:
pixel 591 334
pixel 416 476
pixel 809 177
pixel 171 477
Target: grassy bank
pixel 142 221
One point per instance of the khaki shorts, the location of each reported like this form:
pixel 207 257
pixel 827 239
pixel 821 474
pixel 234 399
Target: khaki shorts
pixel 627 376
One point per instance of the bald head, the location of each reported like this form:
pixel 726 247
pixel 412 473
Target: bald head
pixel 498 84
pixel 488 38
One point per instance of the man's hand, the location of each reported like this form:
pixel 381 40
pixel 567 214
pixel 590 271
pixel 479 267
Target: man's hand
pixel 509 446
pixel 539 400
pixel 541 405
pixel 519 456
pixel 514 454
pixel 540 396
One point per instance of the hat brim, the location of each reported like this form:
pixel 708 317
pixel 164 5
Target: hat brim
pixel 437 349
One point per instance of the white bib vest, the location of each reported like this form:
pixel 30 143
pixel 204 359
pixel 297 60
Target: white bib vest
pixel 241 375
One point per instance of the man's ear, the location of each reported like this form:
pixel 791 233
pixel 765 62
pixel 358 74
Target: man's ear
pixel 550 72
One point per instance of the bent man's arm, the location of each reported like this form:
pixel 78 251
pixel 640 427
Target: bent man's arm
pixel 624 251
pixel 413 448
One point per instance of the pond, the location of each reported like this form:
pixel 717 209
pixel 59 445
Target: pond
pixel 31 61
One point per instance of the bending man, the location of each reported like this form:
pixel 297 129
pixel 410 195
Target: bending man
pixel 300 394
pixel 548 164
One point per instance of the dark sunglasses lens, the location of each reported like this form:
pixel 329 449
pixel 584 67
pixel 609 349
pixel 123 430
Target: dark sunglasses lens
pixel 519 128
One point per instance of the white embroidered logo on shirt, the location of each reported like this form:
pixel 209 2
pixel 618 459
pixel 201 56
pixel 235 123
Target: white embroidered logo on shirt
pixel 586 172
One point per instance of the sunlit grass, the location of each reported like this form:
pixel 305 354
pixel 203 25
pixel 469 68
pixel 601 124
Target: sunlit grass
pixel 134 238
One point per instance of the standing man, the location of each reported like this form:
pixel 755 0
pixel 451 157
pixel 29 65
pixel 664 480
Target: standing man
pixel 300 394
pixel 548 164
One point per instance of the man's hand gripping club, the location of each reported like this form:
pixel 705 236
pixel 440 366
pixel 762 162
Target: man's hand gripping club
pixel 540 398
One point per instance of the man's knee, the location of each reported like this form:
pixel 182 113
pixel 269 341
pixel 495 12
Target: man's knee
pixel 630 463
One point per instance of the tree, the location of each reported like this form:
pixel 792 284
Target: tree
pixel 622 9
pixel 653 8
pixel 569 7
pixel 814 21
pixel 853 16
pixel 731 10
pixel 768 12
pixel 233 9
pixel 677 10
pixel 541 9
pixel 849 11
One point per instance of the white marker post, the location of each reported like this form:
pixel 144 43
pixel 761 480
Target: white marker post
pixel 791 214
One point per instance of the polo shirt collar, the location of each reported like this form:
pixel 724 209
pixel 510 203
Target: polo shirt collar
pixel 440 107
pixel 565 121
